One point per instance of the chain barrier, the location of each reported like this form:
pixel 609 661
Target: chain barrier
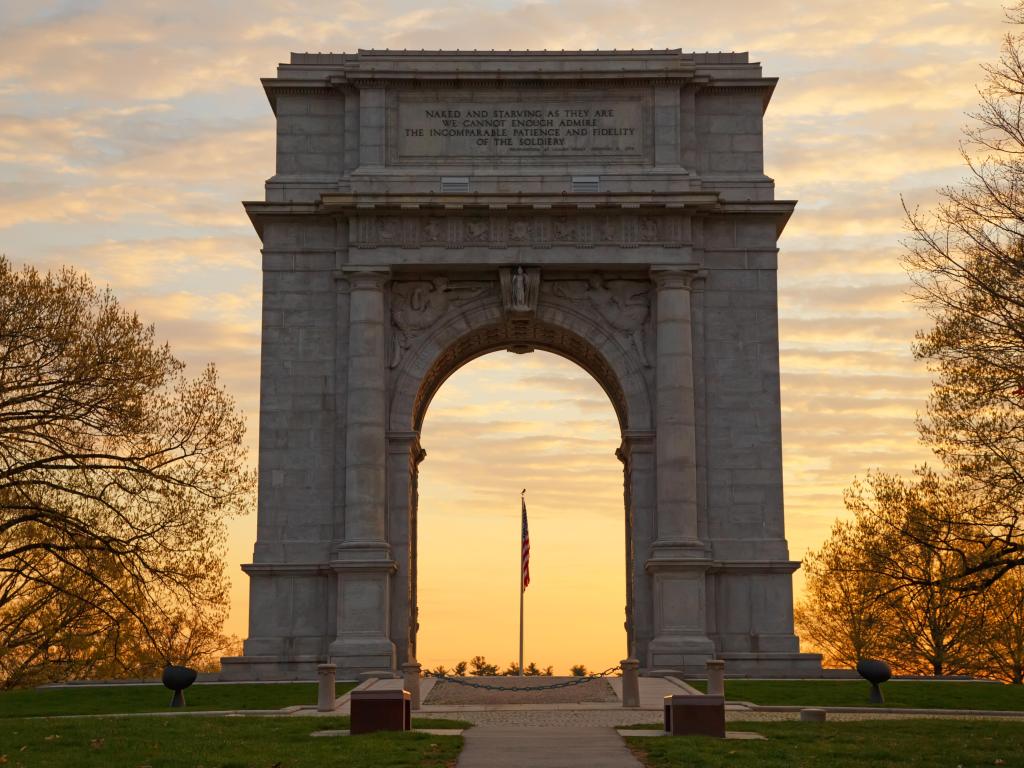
pixel 550 686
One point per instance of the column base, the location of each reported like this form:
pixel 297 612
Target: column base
pixel 248 668
pixel 354 656
pixel 772 665
pixel 685 653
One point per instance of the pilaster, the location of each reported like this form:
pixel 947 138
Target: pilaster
pixel 404 457
pixel 363 564
pixel 676 442
pixel 679 559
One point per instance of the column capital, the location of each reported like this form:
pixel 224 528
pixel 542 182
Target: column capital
pixel 637 441
pixel 666 276
pixel 406 443
pixel 365 278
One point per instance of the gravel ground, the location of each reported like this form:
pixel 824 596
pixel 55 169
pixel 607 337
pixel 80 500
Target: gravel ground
pixel 590 692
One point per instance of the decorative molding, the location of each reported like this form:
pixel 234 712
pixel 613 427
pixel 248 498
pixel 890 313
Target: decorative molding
pixel 677 277
pixel 517 334
pixel 365 278
pixel 504 229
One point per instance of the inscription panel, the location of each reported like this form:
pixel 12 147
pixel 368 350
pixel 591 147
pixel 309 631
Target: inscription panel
pixel 427 128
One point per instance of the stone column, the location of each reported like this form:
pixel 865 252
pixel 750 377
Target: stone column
pixel 676 442
pixel 679 559
pixel 630 683
pixel 365 413
pixel 364 564
pixel 411 678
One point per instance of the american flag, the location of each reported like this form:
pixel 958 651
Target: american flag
pixel 526 545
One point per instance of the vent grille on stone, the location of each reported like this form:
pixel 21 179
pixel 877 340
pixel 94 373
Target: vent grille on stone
pixel 455 184
pixel 586 184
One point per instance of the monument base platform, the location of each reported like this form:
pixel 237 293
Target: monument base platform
pixel 271 668
pixel 772 665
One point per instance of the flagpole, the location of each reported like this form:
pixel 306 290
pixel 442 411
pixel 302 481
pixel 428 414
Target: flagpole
pixel 522 592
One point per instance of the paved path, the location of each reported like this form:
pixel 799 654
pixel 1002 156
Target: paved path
pixel 518 747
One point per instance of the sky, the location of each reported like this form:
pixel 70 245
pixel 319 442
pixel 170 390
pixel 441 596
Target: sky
pixel 130 131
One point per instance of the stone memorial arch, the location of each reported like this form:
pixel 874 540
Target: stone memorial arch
pixel 431 207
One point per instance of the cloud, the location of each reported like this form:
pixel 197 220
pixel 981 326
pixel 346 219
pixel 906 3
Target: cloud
pixel 129 132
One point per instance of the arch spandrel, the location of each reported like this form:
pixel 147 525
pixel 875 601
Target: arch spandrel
pixel 561 325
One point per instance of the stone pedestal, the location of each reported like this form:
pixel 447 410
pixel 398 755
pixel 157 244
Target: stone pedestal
pixel 325 687
pixel 695 716
pixel 380 710
pixel 411 679
pixel 716 677
pixel 630 683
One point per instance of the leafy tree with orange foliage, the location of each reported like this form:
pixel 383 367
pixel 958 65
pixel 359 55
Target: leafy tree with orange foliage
pixel 116 475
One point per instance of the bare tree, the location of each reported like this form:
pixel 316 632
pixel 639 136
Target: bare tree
pixel 966 260
pixel 116 475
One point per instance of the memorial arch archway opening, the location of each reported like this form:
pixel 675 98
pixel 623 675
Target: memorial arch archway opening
pixel 581 342
pixel 498 423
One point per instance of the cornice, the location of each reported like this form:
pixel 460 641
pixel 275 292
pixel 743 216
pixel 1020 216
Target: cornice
pixel 691 203
pixel 315 73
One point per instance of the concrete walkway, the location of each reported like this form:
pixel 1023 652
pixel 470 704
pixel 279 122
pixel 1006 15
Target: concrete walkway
pixel 516 747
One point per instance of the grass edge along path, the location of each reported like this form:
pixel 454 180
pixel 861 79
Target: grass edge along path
pixel 128 699
pixel 913 694
pixel 849 744
pixel 238 742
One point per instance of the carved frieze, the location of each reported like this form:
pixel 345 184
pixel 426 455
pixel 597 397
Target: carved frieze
pixel 505 229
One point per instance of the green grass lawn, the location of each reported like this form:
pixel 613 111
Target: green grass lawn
pixel 123 699
pixel 216 742
pixel 925 694
pixel 860 744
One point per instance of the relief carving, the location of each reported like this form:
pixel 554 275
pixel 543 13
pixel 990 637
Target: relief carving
pixel 497 229
pixel 624 304
pixel 519 232
pixel 418 305
pixel 520 289
pixel 565 229
pixel 433 229
pixel 648 230
pixel 476 230
pixel 389 229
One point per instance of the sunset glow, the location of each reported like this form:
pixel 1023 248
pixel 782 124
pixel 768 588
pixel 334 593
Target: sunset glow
pixel 129 134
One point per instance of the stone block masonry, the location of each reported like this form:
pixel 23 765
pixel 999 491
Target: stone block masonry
pixel 410 187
